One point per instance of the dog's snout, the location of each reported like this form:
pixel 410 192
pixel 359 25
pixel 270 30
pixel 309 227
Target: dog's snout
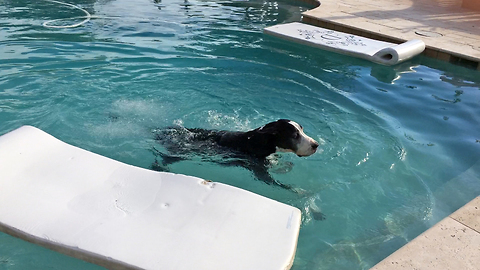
pixel 314 145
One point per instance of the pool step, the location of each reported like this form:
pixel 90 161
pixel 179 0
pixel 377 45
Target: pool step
pixel 453 243
pixel 380 52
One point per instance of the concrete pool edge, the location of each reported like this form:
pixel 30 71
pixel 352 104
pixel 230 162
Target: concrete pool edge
pixel 452 243
pixel 451 31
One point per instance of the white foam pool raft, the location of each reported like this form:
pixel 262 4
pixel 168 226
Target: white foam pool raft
pixel 381 52
pixel 124 217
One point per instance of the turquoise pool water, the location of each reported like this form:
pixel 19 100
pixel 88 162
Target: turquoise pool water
pixel 401 144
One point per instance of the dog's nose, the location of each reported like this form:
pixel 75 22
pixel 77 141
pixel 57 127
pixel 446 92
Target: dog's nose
pixel 315 145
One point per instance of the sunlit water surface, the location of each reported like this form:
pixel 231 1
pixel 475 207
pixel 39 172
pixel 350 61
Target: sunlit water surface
pixel 400 145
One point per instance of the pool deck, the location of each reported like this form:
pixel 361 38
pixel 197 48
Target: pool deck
pixel 453 243
pixel 449 28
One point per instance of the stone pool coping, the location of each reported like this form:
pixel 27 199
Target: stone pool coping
pixel 449 28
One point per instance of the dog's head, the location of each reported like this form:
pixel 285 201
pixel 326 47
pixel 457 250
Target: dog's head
pixel 289 137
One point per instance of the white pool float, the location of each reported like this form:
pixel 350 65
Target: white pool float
pixel 124 217
pixel 381 52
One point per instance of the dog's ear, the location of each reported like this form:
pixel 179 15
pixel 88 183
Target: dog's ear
pixel 262 144
pixel 270 128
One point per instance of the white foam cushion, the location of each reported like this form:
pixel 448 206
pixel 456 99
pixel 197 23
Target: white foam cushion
pixel 377 51
pixel 120 216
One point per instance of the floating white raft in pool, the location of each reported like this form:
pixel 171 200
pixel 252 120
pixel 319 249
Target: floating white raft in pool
pixel 384 53
pixel 124 217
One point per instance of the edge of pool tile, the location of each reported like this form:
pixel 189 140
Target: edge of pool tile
pixel 454 46
pixel 453 243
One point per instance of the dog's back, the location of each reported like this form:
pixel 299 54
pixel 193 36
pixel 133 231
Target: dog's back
pixel 185 142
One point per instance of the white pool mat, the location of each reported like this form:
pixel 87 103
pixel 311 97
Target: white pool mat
pixel 124 217
pixel 384 53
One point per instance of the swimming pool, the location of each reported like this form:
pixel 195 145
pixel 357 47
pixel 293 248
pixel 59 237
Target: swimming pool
pixel 400 144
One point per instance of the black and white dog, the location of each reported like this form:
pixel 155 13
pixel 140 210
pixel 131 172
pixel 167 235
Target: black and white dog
pixel 234 148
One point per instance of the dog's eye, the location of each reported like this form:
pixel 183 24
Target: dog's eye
pixel 296 135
